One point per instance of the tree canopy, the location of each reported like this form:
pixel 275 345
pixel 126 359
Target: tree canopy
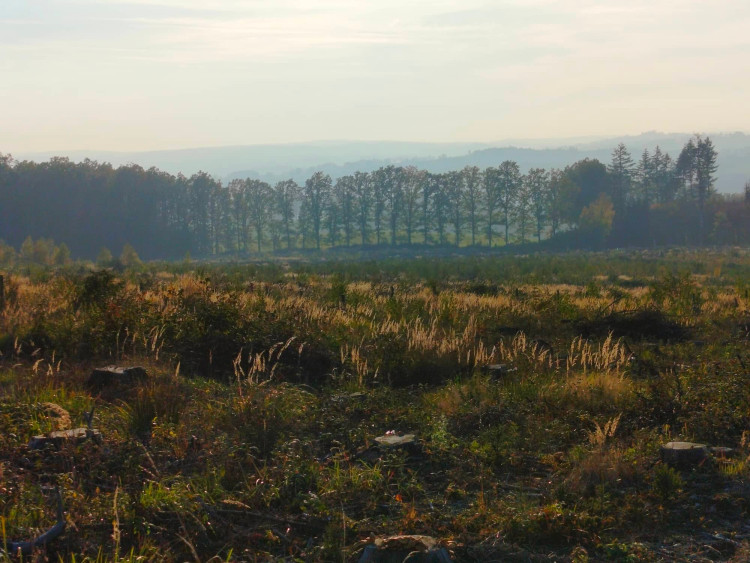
pixel 89 206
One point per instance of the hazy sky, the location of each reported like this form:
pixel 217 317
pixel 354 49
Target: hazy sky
pixel 149 74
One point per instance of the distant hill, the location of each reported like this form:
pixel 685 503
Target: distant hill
pixel 734 158
pixel 266 159
pixel 337 158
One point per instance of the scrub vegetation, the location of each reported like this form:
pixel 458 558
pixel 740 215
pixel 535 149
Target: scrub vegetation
pixel 539 390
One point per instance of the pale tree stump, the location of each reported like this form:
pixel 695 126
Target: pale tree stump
pixel 115 375
pixel 405 549
pixel 683 454
pixel 60 438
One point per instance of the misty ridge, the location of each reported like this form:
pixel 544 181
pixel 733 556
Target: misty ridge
pixel 298 161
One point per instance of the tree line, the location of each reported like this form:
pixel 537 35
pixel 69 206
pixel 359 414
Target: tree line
pixel 91 205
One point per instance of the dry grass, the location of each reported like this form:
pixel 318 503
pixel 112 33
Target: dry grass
pixel 550 447
pixel 614 466
pixel 593 387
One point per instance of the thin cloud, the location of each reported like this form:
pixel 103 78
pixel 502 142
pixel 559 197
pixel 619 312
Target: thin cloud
pixel 389 68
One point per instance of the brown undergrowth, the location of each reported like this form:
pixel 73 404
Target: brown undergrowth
pixel 253 437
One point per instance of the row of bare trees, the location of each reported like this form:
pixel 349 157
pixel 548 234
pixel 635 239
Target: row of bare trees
pixel 396 205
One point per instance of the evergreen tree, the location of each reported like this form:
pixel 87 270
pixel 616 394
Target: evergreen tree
pixel 128 256
pixel 645 182
pixel 621 172
pixel 664 176
pixel 696 166
pixel 686 170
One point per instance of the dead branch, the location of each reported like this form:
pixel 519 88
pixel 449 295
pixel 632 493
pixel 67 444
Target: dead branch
pixel 27 547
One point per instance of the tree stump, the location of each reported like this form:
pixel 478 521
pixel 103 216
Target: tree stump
pixel 115 375
pixel 405 549
pixel 390 442
pixel 722 452
pixel 60 438
pixel 683 454
pixel 396 441
pixel 496 370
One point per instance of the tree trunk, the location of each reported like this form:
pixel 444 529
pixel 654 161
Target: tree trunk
pixel 489 228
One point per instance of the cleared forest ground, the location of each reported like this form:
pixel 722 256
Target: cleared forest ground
pixel 538 391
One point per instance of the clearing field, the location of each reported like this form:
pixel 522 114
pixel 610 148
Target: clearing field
pixel 512 408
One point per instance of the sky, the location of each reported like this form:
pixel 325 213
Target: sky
pixel 168 74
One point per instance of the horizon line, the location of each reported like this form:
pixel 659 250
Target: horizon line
pixel 487 144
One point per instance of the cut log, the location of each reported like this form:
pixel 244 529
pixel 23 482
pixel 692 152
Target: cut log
pixel 394 440
pixel 59 438
pixel 27 547
pixel 116 375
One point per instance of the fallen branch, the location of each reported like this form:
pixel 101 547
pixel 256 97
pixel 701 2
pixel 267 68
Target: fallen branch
pixel 27 547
